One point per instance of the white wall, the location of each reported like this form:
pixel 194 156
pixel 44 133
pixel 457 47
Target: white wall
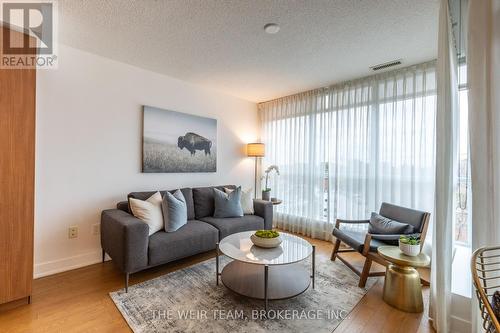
pixel 88 154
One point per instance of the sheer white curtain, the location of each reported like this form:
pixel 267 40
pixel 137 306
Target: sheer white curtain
pixel 446 173
pixel 345 149
pixel 483 63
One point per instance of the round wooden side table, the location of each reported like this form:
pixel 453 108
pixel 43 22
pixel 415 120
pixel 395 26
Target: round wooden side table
pixel 402 288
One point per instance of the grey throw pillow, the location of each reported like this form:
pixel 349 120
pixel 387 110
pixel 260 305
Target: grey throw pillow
pixel 382 225
pixel 227 204
pixel 174 210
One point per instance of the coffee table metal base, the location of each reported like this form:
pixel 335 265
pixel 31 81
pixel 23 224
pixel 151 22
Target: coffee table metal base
pixel 283 281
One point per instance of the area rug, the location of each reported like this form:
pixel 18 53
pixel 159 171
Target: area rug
pixel 188 300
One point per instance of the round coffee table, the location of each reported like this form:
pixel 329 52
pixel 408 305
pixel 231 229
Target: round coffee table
pixel 402 288
pixel 267 274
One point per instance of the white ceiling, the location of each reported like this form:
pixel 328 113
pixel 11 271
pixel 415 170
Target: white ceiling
pixel 222 45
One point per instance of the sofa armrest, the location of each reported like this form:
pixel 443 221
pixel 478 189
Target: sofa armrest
pixel 264 209
pixel 125 239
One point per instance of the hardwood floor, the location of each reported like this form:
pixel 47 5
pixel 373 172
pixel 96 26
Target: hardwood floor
pixel 78 301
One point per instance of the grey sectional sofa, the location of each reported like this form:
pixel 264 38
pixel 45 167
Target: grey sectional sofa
pixel 125 238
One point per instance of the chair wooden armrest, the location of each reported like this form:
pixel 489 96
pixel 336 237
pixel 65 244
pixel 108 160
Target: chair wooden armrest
pixel 366 245
pixel 339 221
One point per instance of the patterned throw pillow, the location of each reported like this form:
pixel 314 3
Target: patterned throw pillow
pixel 495 304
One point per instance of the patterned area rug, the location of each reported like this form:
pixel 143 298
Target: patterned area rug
pixel 188 300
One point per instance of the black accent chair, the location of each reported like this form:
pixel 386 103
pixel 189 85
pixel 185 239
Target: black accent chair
pixel 367 244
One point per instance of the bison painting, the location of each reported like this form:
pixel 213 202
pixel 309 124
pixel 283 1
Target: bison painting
pixel 193 142
pixel 172 142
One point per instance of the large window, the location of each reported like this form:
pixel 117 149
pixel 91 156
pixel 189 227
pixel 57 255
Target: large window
pixel 462 220
pixel 344 150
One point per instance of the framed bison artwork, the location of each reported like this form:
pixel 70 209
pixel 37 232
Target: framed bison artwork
pixel 178 142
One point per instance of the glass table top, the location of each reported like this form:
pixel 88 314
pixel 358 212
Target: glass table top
pixel 291 250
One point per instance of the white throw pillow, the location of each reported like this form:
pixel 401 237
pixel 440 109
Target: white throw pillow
pixel 149 211
pixel 246 200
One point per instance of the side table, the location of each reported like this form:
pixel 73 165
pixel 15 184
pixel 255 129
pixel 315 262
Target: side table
pixel 402 288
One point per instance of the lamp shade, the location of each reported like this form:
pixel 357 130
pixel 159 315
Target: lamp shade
pixel 256 150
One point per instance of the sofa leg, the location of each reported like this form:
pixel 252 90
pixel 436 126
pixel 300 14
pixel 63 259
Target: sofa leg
pixel 126 281
pixel 335 250
pixel 103 255
pixel 365 273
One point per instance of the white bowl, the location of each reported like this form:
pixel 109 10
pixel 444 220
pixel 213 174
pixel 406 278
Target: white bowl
pixel 410 250
pixel 266 242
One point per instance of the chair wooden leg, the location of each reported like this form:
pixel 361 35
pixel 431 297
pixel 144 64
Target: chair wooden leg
pixel 365 273
pixel 335 250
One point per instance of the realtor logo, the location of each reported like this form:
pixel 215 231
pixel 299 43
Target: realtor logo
pixel 29 40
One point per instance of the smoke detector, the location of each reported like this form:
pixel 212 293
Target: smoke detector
pixel 271 28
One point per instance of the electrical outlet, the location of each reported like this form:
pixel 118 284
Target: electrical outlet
pixel 96 229
pixel 73 232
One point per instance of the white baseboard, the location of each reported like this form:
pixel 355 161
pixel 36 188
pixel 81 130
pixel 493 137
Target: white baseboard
pixel 460 325
pixel 66 264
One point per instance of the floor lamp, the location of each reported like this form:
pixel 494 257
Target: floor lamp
pixel 256 150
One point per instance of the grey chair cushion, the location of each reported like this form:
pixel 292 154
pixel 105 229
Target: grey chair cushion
pixel 174 211
pixel 382 225
pixel 203 198
pixel 233 225
pixel 356 239
pixel 403 214
pixel 227 204
pixel 187 192
pixel 193 238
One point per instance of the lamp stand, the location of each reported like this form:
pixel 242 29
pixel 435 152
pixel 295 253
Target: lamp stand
pixel 255 185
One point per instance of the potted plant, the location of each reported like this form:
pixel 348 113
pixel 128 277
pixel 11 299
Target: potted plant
pixel 266 238
pixel 266 192
pixel 410 245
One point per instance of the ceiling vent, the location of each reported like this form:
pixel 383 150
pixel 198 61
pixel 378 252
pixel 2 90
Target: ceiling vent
pixel 386 65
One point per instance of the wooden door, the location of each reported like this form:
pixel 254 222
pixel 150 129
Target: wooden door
pixel 17 181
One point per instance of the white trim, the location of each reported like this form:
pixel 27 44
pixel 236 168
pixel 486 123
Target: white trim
pixel 460 325
pixel 67 264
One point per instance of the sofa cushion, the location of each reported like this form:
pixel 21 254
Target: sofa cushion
pixel 383 225
pixel 246 200
pixel 148 211
pixel 233 225
pixel 356 239
pixel 187 192
pixel 227 204
pixel 192 238
pixel 174 211
pixel 203 198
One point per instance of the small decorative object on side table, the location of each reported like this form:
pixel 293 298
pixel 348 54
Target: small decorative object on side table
pixel 266 192
pixel 409 245
pixel 276 201
pixel 402 288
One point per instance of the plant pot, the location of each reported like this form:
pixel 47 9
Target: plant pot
pixel 266 242
pixel 410 250
pixel 266 195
